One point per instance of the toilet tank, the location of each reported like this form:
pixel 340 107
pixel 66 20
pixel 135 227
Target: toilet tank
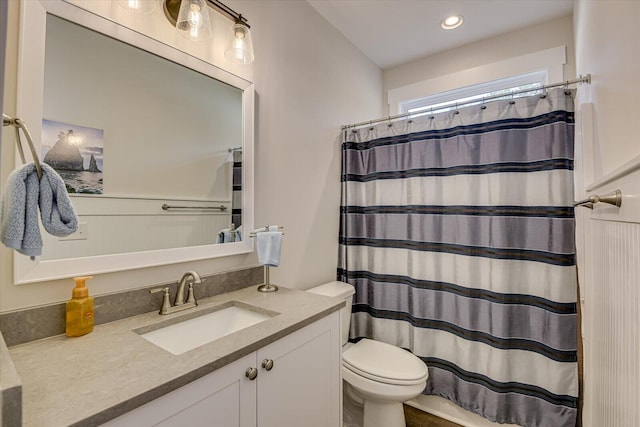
pixel 339 290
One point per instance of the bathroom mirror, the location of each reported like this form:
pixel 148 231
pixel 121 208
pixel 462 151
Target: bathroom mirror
pixel 163 140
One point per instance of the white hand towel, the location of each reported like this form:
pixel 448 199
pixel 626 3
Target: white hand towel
pixel 224 236
pixel 268 245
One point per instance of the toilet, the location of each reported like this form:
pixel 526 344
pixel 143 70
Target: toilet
pixel 380 375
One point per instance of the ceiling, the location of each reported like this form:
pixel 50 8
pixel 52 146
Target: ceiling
pixel 392 32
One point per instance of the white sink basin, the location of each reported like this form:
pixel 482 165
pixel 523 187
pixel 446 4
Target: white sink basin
pixel 179 336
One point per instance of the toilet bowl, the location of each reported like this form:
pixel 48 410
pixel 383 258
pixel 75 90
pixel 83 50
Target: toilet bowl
pixel 381 375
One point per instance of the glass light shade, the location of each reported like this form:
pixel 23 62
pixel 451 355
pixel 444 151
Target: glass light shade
pixel 239 46
pixel 138 6
pixel 193 21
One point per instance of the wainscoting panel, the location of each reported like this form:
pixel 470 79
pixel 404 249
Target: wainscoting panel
pixel 110 225
pixel 611 292
pixel 612 340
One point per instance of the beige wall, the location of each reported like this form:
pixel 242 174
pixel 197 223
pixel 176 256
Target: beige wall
pixel 510 45
pixel 309 81
pixel 607 34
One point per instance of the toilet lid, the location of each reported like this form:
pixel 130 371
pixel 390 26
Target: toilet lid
pixel 385 363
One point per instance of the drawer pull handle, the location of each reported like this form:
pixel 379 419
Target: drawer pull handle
pixel 267 364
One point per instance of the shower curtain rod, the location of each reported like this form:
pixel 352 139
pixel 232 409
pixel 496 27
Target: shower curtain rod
pixel 581 79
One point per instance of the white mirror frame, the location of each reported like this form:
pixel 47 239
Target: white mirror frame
pixel 29 108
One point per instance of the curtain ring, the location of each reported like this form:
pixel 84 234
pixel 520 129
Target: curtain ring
pixel 431 117
pixel 456 110
pixel 511 101
pixel 370 125
pixel 482 106
pixel 389 120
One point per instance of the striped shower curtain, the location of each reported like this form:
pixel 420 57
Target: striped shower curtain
pixel 457 232
pixel 236 198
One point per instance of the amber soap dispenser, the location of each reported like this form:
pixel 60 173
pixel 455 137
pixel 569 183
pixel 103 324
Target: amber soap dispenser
pixel 80 309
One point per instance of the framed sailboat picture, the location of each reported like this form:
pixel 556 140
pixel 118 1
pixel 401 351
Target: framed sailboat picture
pixel 76 153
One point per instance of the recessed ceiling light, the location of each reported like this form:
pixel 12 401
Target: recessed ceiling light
pixel 451 22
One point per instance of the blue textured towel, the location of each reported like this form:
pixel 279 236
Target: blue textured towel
pixel 22 197
pixel 268 245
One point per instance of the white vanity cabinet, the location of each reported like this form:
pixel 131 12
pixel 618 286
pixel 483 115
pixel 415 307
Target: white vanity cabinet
pixel 304 386
pixel 298 383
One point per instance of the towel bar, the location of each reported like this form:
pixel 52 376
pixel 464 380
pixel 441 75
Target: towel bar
pixel 18 124
pixel 221 208
pixel 614 198
pixel 265 228
pixel 268 286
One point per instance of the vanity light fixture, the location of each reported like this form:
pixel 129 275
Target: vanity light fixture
pixel 138 6
pixel 451 22
pixel 239 46
pixel 191 19
pixel 193 22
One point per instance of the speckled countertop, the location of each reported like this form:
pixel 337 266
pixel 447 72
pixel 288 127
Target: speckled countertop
pixel 88 380
pixel 10 389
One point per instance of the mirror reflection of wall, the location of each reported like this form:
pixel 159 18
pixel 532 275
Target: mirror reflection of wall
pixel 167 131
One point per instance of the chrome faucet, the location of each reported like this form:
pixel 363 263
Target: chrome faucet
pixel 188 279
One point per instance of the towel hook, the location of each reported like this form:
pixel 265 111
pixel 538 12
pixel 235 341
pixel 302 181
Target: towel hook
pixel 18 124
pixel 614 198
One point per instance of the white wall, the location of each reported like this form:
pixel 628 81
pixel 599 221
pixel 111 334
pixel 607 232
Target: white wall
pixel 495 49
pixel 309 81
pixel 606 35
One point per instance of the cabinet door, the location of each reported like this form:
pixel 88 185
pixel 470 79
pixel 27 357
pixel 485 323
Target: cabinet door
pixel 304 386
pixel 224 398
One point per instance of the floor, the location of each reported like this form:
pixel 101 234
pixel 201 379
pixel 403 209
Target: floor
pixel 416 418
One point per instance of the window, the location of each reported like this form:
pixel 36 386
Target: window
pixel 475 94
pixel 542 66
